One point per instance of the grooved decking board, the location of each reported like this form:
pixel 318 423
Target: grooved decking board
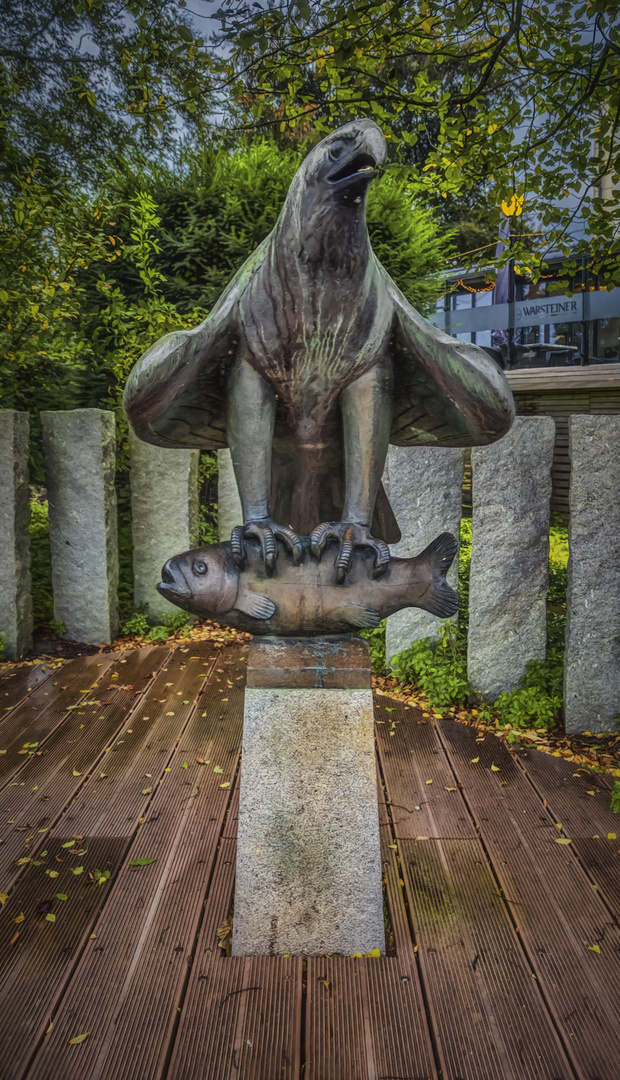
pixel 46 709
pixel 127 987
pixel 418 808
pixel 470 953
pixel 241 1018
pixel 558 911
pixel 19 682
pixel 586 817
pixel 245 1022
pixel 32 995
pixel 468 948
pixel 71 749
pixel 393 891
pixel 365 1020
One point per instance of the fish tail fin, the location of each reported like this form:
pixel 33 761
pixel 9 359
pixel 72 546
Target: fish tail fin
pixel 441 599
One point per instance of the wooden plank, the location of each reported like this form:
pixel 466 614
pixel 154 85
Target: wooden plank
pixel 468 947
pixel 580 801
pixel 72 751
pixel 595 377
pixel 240 1017
pixel 407 764
pixel 45 710
pixel 365 1020
pixel 132 979
pixel 17 683
pixel 105 815
pixel 559 913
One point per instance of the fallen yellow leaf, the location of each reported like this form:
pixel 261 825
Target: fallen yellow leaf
pixel 429 781
pixel 79 1039
pixel 474 760
pixel 227 784
pixel 450 789
pixel 494 768
pixel 3 898
pixel 562 840
pixel 611 836
pixel 594 948
pixel 20 918
pixel 75 773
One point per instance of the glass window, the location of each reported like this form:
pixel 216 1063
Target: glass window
pixel 463 337
pixel 484 299
pixel 461 300
pixel 483 337
pixel 608 342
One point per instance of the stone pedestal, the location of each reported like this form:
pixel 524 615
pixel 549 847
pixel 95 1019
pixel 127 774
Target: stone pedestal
pixel 308 859
pixel 424 486
pixel 164 515
pixel 592 658
pixel 511 492
pixel 15 600
pixel 80 462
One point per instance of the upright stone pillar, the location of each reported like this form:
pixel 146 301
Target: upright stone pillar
pixel 592 657
pixel 164 515
pixel 308 860
pixel 80 458
pixel 424 486
pixel 229 511
pixel 15 598
pixel 511 493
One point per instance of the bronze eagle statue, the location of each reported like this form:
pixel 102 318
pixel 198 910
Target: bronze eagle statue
pixel 310 364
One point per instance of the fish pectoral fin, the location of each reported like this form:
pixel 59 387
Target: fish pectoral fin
pixel 366 618
pixel 254 605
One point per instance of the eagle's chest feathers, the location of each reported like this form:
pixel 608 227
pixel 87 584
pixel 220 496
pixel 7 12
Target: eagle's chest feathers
pixel 310 335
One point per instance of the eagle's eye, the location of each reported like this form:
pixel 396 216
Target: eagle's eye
pixel 200 567
pixel 336 150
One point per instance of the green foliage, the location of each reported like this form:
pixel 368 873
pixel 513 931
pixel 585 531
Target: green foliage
pixel 207 498
pixel 440 668
pixel 40 562
pixel 2 644
pixel 139 625
pixel 614 805
pixel 376 643
pixel 481 87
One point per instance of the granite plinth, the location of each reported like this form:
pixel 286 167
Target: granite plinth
pixel 308 857
pixel 329 663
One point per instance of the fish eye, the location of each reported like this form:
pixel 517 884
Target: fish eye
pixel 336 149
pixel 200 567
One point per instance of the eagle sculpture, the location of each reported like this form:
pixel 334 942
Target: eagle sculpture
pixel 310 364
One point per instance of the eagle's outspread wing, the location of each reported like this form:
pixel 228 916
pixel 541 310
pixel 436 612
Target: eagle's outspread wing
pixel 446 392
pixel 176 394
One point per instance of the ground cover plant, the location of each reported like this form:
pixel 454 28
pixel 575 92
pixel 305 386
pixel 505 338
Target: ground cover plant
pixel 439 668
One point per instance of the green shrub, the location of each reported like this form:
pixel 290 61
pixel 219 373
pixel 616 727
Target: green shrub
pixel 376 642
pixel 615 798
pixel 139 625
pixel 439 668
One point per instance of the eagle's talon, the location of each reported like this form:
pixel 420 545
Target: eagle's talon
pixel 350 535
pixel 267 532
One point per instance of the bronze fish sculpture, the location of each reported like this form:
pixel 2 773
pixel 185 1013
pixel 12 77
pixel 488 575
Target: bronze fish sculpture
pixel 304 599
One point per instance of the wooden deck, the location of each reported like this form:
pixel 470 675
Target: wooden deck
pixel 507 941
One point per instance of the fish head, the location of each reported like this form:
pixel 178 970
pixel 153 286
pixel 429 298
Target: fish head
pixel 204 581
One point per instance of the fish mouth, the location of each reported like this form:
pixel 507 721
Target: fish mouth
pixel 173 584
pixel 362 167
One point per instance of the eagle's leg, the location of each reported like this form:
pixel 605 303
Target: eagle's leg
pixel 250 421
pixel 366 407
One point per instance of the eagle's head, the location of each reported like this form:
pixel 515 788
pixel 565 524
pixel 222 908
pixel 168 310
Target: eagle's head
pixel 326 205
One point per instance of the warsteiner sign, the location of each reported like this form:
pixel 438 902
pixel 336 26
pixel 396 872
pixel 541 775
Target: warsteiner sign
pixel 552 309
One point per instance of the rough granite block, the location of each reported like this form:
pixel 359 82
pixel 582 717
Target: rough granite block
pixel 424 486
pixel 164 515
pixel 80 458
pixel 511 492
pixel 229 511
pixel 592 658
pixel 15 583
pixel 308 858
